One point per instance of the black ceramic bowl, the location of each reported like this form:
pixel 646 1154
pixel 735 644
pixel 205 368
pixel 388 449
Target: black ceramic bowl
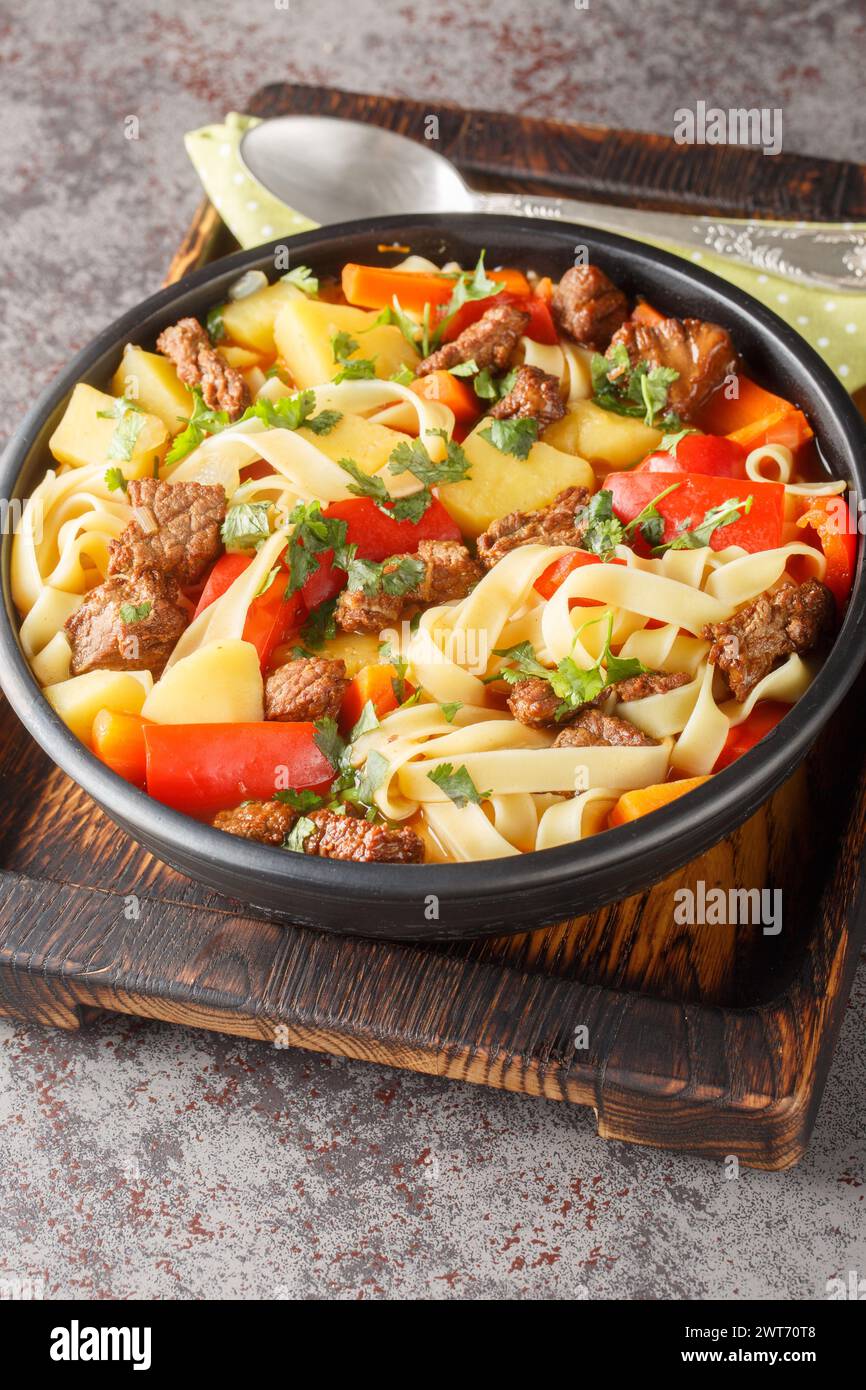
pixel 498 895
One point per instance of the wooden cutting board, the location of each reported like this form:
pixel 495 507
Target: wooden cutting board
pixel 713 1038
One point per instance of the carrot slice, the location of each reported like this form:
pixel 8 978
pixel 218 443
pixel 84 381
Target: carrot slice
pixel 118 741
pixel 632 805
pixel 374 286
pixel 787 426
pixel 725 415
pixel 376 684
pixel 645 313
pixel 452 391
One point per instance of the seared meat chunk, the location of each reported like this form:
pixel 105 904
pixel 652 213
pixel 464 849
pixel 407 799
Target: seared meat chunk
pixel 648 683
pixel 181 535
pixel 200 364
pixel 127 624
pixel 360 612
pixel 747 646
pixel 269 822
pixel 534 702
pixel 489 342
pixel 308 689
pixel 592 729
pixel 449 573
pixel 701 352
pixel 536 394
pixel 556 524
pixel 349 837
pixel 588 307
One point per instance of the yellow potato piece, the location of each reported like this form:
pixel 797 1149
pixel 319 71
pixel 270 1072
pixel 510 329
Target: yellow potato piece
pixel 356 649
pixel 152 382
pixel 369 444
pixel 500 483
pixel 240 357
pixel 221 683
pixel 79 699
pixel 84 437
pixel 250 321
pixel 303 333
pixel 599 435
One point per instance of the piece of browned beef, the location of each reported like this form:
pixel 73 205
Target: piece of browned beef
pixel 649 683
pixel 177 531
pixel 534 702
pixel 701 352
pixel 559 523
pixel 269 822
pixel 534 394
pixel 588 307
pixel 489 342
pixel 127 624
pixel 795 618
pixel 310 688
pixel 348 837
pixel 449 573
pixel 592 729
pixel 200 364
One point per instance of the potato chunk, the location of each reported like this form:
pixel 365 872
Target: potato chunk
pixel 152 382
pixel 250 321
pixel 303 333
pixel 220 683
pixel 500 483
pixel 84 436
pixel 369 444
pixel 79 699
pixel 617 441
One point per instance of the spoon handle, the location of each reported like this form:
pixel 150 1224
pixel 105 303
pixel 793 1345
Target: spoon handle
pixel 834 259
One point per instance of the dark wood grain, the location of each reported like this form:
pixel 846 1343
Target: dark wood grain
pixel 710 1039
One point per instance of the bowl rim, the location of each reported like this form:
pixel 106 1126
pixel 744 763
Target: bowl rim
pixel 711 808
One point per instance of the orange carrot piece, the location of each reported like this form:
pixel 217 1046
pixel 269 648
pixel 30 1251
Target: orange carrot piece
pixel 787 426
pixel 450 390
pixel 632 805
pixel 374 286
pixel 374 683
pixel 721 415
pixel 645 313
pixel 118 741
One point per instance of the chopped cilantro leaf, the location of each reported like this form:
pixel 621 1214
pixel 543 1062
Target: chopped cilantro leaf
pixel 303 279
pixel 135 612
pixel 200 424
pixel 114 479
pixel 515 436
pixel 458 786
pixel 130 423
pixel 723 515
pixel 246 525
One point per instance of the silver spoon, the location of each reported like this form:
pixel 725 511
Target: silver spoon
pixel 332 170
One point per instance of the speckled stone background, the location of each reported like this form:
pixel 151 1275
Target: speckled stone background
pixel 138 1160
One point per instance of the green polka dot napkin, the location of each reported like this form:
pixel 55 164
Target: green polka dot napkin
pixel 834 324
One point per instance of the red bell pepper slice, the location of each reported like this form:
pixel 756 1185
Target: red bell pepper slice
pixel 377 535
pixel 204 768
pixel 685 508
pixel 271 617
pixel 541 328
pixel 709 454
pixel 221 578
pixel 558 571
pixel 836 527
pixel 764 717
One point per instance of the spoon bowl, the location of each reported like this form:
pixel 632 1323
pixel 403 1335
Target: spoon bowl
pixel 333 169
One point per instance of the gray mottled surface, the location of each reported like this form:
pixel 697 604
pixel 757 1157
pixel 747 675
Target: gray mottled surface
pixel 144 1160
